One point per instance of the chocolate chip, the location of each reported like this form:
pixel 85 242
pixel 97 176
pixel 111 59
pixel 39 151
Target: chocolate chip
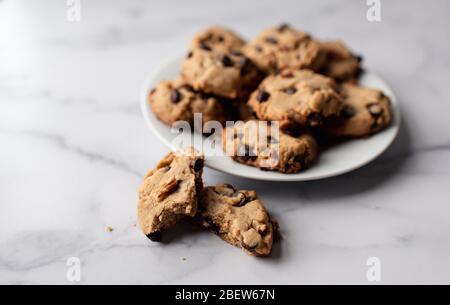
pixel 263 96
pixel 374 125
pixel 294 131
pixel 263 231
pixel 282 27
pixel 167 168
pixel 258 49
pixel 237 53
pixel 314 119
pixel 359 58
pixel 227 61
pixel 220 38
pixel 205 47
pixel 271 40
pixel 175 96
pixel 244 199
pixel 375 109
pixel 189 54
pixel 290 90
pixel 212 226
pixel 287 74
pixel 198 165
pixel 300 159
pixel 348 112
pixel 187 87
pixel 155 236
pixel 229 186
pixel 244 62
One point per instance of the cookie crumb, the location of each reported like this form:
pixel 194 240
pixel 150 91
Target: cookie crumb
pixel 109 229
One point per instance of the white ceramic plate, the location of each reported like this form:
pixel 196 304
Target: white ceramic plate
pixel 334 161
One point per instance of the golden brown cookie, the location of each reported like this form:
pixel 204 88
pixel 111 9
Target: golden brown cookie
pixel 175 100
pixel 253 143
pixel 281 47
pixel 296 97
pixel 217 37
pixel 364 112
pixel 238 217
pixel 340 63
pixel 216 71
pixel 169 192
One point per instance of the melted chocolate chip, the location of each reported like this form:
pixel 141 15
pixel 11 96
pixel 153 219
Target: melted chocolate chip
pixel 258 49
pixel 187 87
pixel 198 165
pixel 314 119
pixel 244 199
pixel 189 54
pixel 290 90
pixel 294 131
pixel 155 236
pixel 175 96
pixel 227 61
pixel 263 96
pixel 220 38
pixel 212 226
pixel 374 124
pixel 348 112
pixel 271 40
pixel 237 53
pixel 205 47
pixel 263 231
pixel 287 75
pixel 282 27
pixel 300 159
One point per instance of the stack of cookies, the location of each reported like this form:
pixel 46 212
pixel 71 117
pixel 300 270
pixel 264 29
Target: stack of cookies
pixel 283 75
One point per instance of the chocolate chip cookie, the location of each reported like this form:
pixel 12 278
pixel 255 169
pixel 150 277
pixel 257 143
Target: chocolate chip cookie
pixel 296 97
pixel 254 143
pixel 221 72
pixel 364 112
pixel 175 100
pixel 217 37
pixel 238 217
pixel 169 192
pixel 340 63
pixel 280 47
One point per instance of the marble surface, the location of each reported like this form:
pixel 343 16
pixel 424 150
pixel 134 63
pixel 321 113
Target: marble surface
pixel 74 148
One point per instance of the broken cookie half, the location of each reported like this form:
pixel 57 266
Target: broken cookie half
pixel 169 192
pixel 238 217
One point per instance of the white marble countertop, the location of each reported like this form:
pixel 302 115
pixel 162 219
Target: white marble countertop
pixel 74 148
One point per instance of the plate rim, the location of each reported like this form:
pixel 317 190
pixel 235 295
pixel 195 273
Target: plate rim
pixel 145 110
